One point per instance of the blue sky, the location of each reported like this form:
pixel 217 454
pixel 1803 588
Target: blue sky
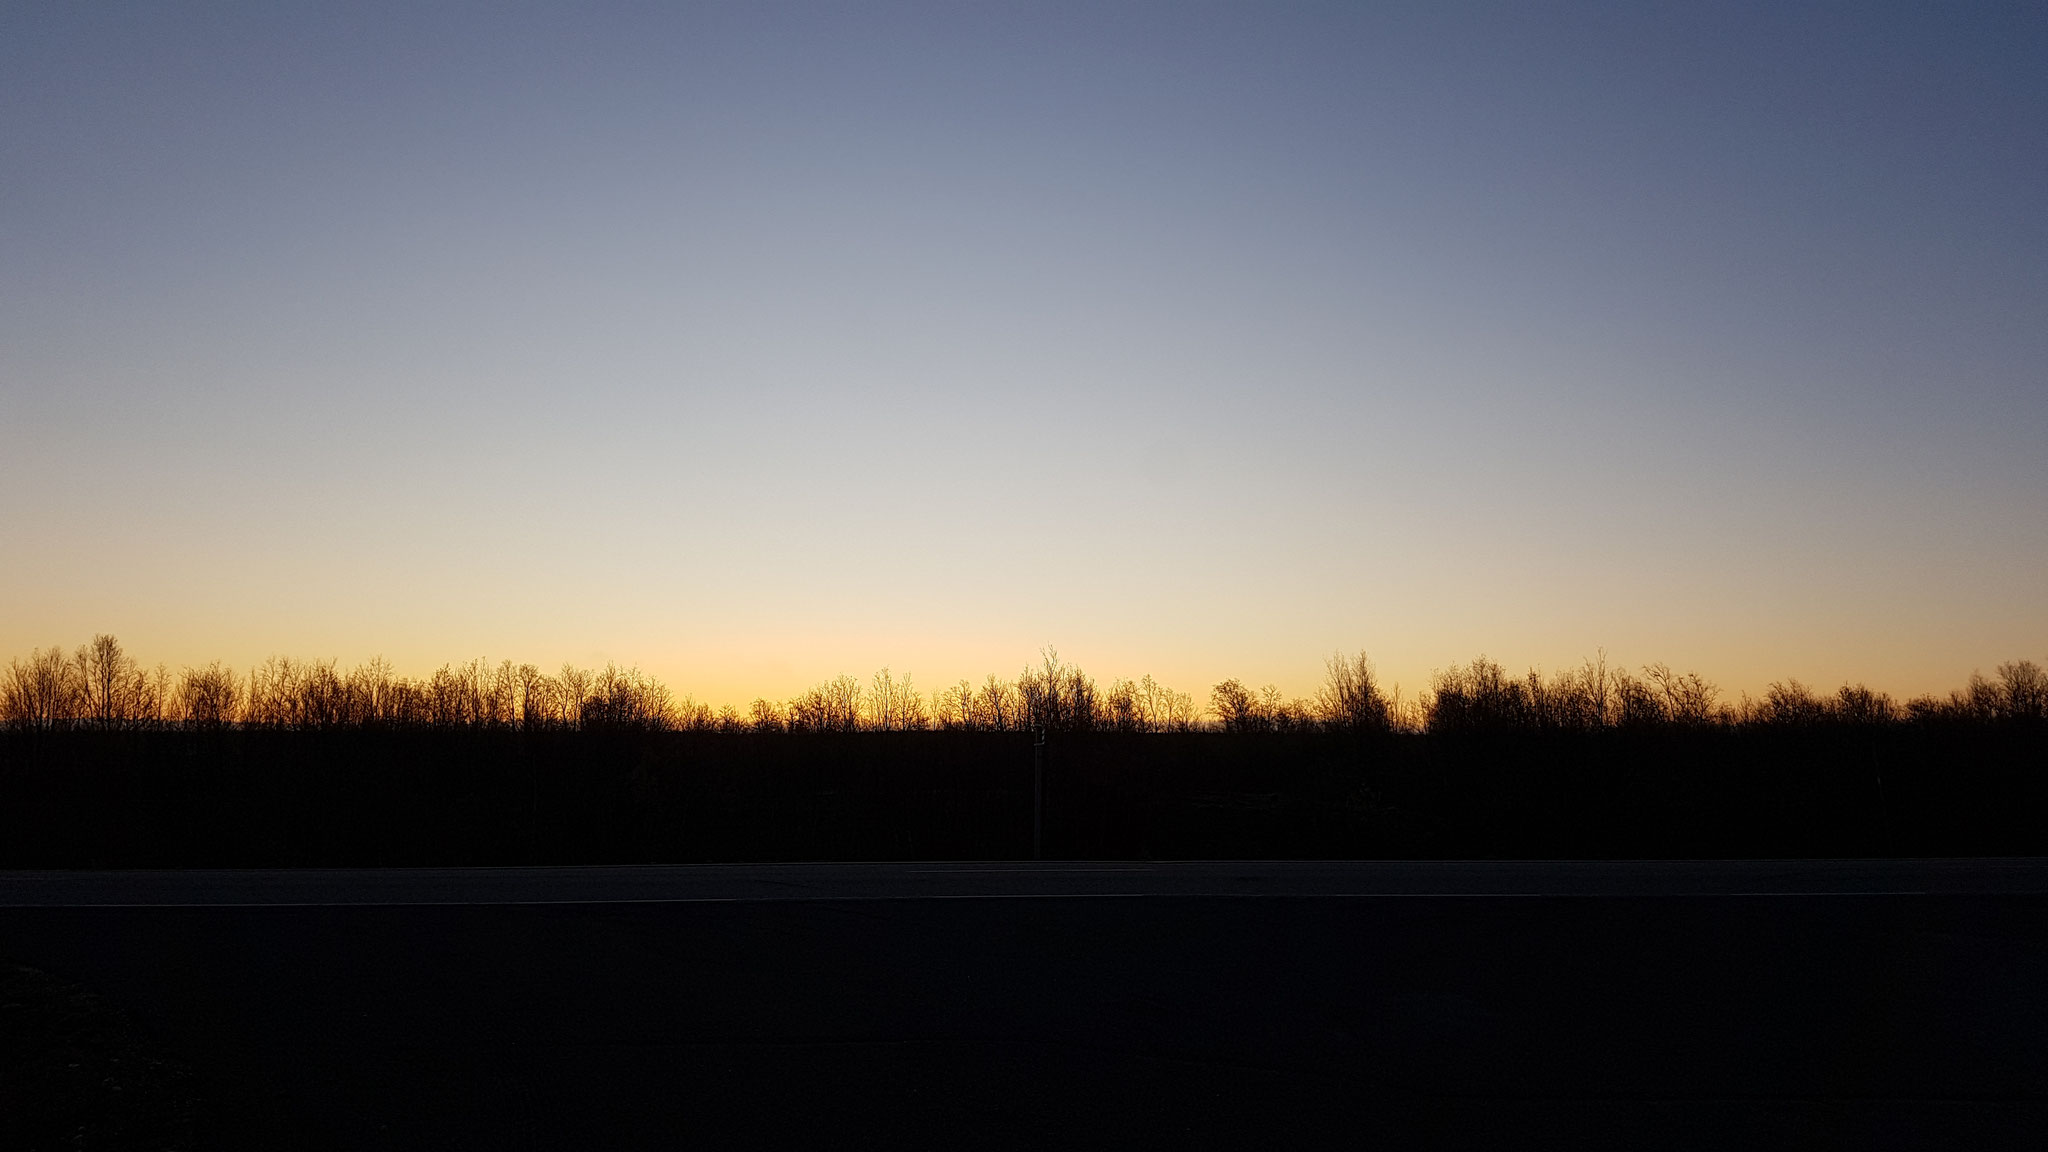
pixel 754 343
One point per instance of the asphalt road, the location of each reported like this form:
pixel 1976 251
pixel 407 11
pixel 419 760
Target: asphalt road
pixel 1830 1004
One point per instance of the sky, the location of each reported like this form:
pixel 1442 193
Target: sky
pixel 755 343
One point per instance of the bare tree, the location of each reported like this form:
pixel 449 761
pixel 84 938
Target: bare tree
pixel 1153 704
pixel 41 694
pixel 322 700
pixel 209 698
pixel 999 707
pixel 531 688
pixel 272 693
pixel 501 695
pixel 2023 690
pixel 767 717
pixel 1057 696
pixel 1350 698
pixel 1599 689
pixel 1477 697
pixel 1038 690
pixel 1687 698
pixel 1080 707
pixel 687 715
pixel 911 709
pixel 842 703
pixel 1273 708
pixel 1123 710
pixel 1637 703
pixel 1236 707
pixel 1790 703
pixel 953 707
pixel 808 711
pixel 113 690
pixel 626 698
pixel 894 705
pixel 575 685
pixel 834 706
pixel 1574 701
pixel 1856 704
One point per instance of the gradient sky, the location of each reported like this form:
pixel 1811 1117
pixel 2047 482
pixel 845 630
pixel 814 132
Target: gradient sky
pixel 753 343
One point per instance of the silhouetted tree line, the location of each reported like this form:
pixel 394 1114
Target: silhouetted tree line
pixel 100 687
pixel 106 763
pixel 1482 696
pixel 103 687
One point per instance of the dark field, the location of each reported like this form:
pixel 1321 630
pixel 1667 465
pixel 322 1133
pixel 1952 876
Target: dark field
pixel 353 797
pixel 1786 1005
pixel 1797 1003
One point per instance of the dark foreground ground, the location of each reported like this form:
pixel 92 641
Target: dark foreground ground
pixel 405 798
pixel 1815 1004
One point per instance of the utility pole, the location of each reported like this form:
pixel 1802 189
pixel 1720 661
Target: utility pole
pixel 1038 794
